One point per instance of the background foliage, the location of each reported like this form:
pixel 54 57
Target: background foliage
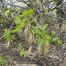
pixel 39 24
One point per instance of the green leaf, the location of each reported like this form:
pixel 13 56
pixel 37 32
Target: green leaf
pixel 57 40
pixel 19 26
pixel 53 33
pixel 39 41
pixel 23 53
pixel 7 35
pixel 7 32
pixel 47 42
pixel 10 39
pixel 18 19
pixel 28 12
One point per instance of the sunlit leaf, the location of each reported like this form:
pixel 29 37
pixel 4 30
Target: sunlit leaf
pixel 6 12
pixel 19 26
pixel 57 40
pixel 28 12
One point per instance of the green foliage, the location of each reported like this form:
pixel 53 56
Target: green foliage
pixel 27 13
pixel 17 19
pixel 7 35
pixel 44 37
pixel 21 50
pixel 2 60
pixel 20 25
pixel 53 33
pixel 22 22
pixel 57 40
pixel 23 53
